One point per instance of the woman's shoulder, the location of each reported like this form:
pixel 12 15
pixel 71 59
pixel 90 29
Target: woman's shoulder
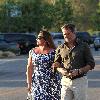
pixel 36 50
pixel 33 50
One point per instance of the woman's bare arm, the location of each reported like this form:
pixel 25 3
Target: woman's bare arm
pixel 29 69
pixel 29 73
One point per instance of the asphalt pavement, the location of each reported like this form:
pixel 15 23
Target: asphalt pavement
pixel 13 79
pixel 94 78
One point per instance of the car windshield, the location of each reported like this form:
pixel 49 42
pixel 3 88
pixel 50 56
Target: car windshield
pixel 82 34
pixel 97 40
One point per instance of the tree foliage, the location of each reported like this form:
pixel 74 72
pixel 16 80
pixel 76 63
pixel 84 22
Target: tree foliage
pixel 62 13
pixel 32 15
pixel 84 13
pixel 96 18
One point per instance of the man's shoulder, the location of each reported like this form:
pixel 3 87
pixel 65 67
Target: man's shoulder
pixel 81 43
pixel 83 46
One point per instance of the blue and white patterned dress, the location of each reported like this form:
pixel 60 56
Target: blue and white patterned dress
pixel 45 83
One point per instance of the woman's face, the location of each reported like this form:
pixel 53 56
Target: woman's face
pixel 41 41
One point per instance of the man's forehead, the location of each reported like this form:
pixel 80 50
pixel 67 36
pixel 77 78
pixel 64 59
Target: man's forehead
pixel 66 30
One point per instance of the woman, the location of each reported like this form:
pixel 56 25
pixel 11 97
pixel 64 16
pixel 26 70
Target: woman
pixel 43 83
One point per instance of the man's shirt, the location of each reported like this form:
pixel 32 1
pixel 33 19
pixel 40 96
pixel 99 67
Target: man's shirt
pixel 75 58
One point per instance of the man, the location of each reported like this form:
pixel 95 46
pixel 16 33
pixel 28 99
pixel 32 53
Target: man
pixel 73 60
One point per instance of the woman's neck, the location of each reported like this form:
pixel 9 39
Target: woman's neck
pixel 42 48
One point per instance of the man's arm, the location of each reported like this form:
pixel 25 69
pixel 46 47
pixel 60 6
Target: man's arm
pixel 90 63
pixel 57 66
pixel 80 71
pixel 58 61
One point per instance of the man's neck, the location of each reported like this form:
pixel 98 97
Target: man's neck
pixel 70 44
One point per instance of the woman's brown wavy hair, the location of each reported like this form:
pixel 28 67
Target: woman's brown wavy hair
pixel 47 36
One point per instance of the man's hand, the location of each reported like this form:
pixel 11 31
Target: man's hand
pixel 73 73
pixel 55 65
pixel 63 71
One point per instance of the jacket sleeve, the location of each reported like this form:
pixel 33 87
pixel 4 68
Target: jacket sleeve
pixel 58 55
pixel 89 57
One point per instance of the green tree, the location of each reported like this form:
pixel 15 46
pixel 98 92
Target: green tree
pixel 96 18
pixel 32 15
pixel 83 10
pixel 61 13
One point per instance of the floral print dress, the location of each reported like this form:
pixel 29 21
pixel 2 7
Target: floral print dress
pixel 45 83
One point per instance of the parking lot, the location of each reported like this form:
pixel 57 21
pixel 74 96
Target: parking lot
pixel 13 78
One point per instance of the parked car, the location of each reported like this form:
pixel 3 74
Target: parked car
pixel 13 47
pixel 85 37
pixel 57 38
pixel 25 41
pixel 97 43
pixel 93 37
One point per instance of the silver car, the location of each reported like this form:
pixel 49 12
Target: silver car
pixel 58 38
pixel 97 43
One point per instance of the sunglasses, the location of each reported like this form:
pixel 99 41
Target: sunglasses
pixel 39 38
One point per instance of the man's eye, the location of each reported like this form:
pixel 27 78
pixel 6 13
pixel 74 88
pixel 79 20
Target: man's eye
pixel 68 33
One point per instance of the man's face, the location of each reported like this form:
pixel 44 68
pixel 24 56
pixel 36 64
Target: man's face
pixel 68 35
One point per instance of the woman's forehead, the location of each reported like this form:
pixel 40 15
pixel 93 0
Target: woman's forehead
pixel 40 34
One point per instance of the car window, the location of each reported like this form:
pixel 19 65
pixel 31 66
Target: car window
pixel 58 36
pixel 97 40
pixel 2 41
pixel 82 34
pixel 17 37
pixel 14 37
pixel 29 38
pixel 1 37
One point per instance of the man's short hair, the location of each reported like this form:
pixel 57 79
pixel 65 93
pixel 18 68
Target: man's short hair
pixel 69 26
